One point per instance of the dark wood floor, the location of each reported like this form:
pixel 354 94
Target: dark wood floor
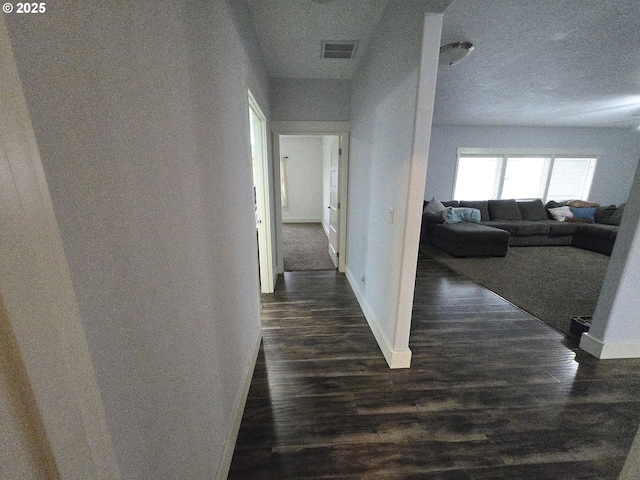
pixel 492 392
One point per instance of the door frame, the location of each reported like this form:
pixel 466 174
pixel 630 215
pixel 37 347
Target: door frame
pixel 340 129
pixel 263 205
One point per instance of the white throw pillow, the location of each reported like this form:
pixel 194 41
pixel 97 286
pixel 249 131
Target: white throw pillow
pixel 561 213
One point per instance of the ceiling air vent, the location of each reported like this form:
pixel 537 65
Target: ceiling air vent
pixel 338 49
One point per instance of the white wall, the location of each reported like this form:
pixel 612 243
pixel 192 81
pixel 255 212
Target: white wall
pixel 140 113
pixel 19 455
pixel 614 172
pixel 52 417
pixel 303 165
pixel 383 119
pixel 298 99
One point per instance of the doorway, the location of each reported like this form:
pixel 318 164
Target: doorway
pixel 320 188
pixel 309 210
pixel 260 163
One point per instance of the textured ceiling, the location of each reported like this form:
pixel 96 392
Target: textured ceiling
pixel 535 63
pixel 551 63
pixel 291 32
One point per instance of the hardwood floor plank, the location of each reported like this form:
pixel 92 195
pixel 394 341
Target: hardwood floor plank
pixel 492 393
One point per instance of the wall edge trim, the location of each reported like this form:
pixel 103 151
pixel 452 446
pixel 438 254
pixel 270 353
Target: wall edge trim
pixel 222 472
pixel 400 358
pixel 605 351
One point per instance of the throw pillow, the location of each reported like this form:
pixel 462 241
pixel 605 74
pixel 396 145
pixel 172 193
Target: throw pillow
pixel 462 214
pixel 584 213
pixel 561 213
pixel 434 207
pixel 552 204
pixel 504 210
pixel 532 210
pixel 434 211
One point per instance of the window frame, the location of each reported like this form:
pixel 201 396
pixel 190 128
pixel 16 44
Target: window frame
pixel 506 153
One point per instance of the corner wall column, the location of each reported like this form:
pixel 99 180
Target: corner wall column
pixel 615 329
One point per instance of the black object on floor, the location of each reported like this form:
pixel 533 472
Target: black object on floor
pixel 579 325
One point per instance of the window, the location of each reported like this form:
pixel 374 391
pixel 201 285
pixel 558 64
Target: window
pixel 571 178
pixel 478 177
pixel 525 177
pixel 483 176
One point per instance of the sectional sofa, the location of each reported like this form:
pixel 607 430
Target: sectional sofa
pixel 505 223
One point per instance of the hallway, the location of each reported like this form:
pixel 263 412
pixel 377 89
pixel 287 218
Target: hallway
pixel 492 392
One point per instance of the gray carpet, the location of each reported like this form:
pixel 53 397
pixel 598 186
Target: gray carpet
pixel 306 247
pixel 551 283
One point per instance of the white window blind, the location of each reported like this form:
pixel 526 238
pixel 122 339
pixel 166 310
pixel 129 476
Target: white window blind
pixel 571 178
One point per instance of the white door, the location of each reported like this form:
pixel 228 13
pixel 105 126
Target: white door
pixel 258 133
pixel 334 205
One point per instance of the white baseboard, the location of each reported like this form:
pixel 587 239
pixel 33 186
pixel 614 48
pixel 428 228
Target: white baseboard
pixel 232 435
pixel 301 220
pixel 605 351
pixel 394 358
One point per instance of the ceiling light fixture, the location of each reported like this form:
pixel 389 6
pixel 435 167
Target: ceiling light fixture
pixel 453 53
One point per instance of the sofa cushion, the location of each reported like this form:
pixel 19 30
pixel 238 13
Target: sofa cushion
pixel 596 231
pixel 521 228
pixel 470 232
pixel 482 205
pixel 616 217
pixel 532 210
pixel 510 227
pixel 557 228
pixel 531 227
pixel 504 210
pixel 452 203
pixel 603 214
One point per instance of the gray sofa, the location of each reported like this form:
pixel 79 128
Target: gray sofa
pixel 528 223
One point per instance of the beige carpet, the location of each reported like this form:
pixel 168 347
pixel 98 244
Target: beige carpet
pixel 551 283
pixel 306 247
